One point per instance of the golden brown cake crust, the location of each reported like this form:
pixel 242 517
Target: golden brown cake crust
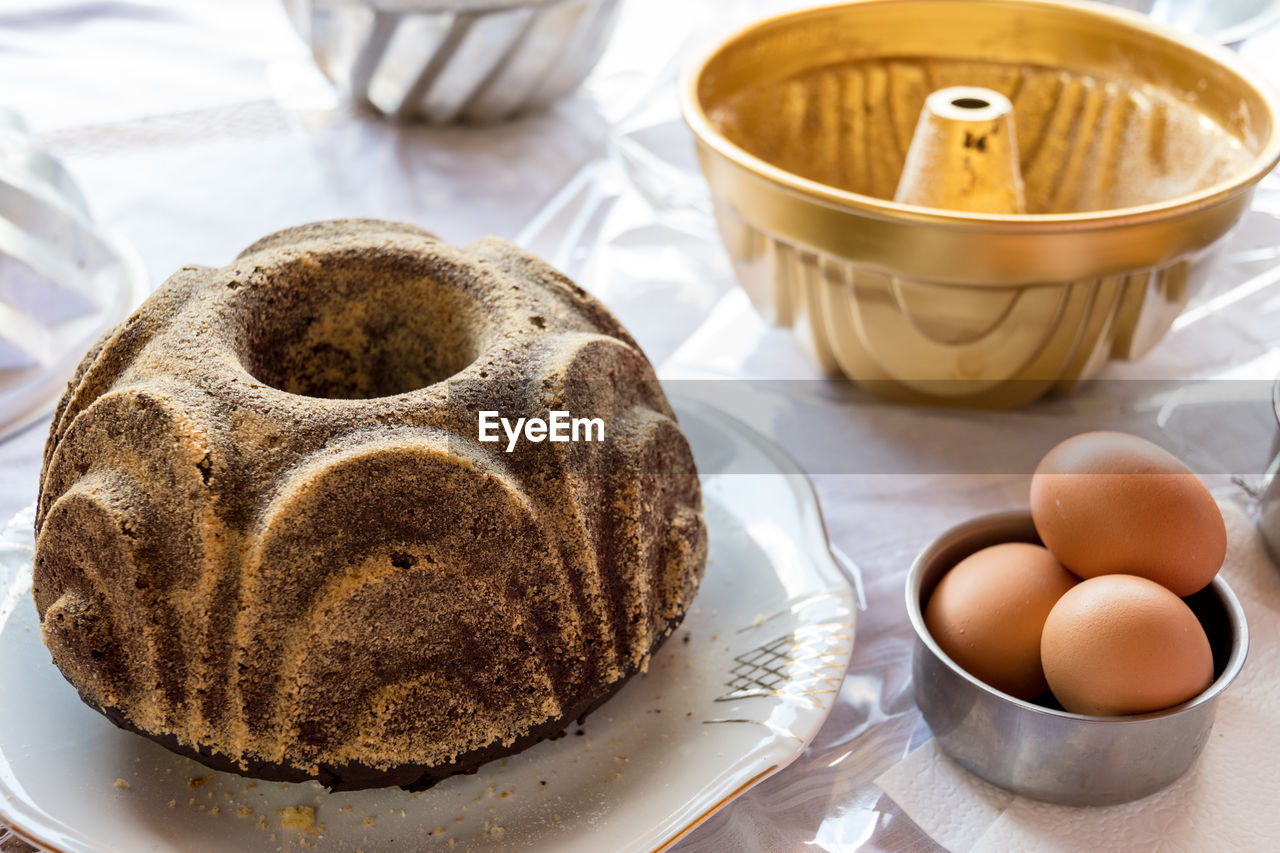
pixel 267 533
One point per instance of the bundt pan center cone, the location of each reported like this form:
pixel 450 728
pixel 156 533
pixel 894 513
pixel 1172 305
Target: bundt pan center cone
pixel 269 539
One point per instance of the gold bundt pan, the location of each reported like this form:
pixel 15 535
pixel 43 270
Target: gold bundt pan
pixel 1139 149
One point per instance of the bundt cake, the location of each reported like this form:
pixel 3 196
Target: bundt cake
pixel 270 538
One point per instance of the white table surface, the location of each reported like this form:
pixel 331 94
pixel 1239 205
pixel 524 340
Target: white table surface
pixel 195 127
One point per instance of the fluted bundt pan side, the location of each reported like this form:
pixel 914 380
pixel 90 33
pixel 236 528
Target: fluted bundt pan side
pixel 268 537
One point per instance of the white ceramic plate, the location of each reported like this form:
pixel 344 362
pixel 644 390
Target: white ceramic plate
pixel 733 696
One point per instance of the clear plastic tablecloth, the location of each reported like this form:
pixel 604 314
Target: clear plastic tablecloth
pixel 194 128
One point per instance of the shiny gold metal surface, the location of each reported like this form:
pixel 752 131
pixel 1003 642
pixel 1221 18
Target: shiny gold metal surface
pixel 1138 149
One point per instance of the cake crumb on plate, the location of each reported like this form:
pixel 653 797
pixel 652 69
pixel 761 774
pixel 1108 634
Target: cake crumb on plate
pixel 301 818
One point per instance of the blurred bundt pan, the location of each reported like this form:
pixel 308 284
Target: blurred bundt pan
pixel 65 277
pixel 1138 151
pixel 446 61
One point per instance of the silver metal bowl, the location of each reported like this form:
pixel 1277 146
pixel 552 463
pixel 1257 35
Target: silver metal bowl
pixel 1045 753
pixel 64 278
pixel 445 61
pixel 1226 22
pixel 1269 505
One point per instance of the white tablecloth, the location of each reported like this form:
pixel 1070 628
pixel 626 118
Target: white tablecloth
pixel 194 128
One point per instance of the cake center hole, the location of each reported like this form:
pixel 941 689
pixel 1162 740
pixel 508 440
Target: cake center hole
pixel 343 329
pixel 970 103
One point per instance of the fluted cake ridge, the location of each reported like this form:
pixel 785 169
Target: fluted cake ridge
pixel 269 537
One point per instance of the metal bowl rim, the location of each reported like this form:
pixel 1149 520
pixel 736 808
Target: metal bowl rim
pixel 1267 158
pixel 1235 614
pixel 478 7
pixel 1275 400
pixel 1239 32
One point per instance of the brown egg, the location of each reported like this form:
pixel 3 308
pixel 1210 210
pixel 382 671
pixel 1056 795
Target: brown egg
pixel 988 611
pixel 1109 503
pixel 1120 644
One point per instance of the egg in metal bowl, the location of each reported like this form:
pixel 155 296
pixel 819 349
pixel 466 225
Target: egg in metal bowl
pixel 1043 752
